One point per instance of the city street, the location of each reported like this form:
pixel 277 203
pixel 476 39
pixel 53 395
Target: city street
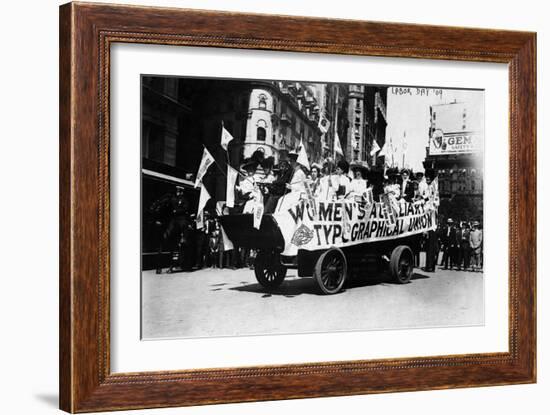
pixel 214 302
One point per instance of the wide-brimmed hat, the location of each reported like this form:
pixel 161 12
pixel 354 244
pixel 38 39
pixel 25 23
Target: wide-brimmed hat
pixel 450 220
pixel 343 164
pixel 363 169
pixel 328 165
pixel 430 174
pixel 316 166
pixel 293 155
pixel 249 165
pixel 268 163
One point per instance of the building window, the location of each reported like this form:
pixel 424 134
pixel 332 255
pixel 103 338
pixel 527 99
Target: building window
pixel 262 104
pixel 260 134
pixel 155 142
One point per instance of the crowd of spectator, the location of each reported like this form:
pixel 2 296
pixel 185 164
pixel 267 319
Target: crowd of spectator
pixel 461 245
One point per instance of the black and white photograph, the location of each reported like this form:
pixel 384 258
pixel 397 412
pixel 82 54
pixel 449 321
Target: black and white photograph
pixel 288 206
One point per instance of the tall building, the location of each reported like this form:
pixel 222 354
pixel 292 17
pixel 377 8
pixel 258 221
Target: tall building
pixel 355 137
pixel 376 98
pixel 280 116
pixel 455 152
pixel 358 115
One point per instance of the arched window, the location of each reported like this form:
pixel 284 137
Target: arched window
pixel 262 103
pixel 260 134
pixel 261 131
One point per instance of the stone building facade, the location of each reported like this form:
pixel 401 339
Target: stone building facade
pixel 455 153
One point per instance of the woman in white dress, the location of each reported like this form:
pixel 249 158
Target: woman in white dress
pixel 248 187
pixel 358 185
pixel 315 180
pixel 342 180
pixel 327 188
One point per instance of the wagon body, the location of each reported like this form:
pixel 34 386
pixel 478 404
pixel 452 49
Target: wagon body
pixel 240 229
pixel 360 260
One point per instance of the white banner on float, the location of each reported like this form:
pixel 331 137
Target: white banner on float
pixel 313 225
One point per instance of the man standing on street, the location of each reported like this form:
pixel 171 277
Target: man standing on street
pixel 464 247
pixel 448 240
pixel 476 242
pixel 176 233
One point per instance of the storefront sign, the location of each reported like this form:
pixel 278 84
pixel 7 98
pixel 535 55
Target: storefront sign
pixel 454 143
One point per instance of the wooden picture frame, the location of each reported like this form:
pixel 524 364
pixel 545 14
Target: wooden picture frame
pixel 86 33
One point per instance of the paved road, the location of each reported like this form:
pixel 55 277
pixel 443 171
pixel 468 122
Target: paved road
pixel 213 302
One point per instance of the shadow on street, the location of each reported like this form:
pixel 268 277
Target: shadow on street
pixel 299 286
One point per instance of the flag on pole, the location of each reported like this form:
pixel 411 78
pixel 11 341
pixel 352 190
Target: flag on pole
pixel 258 209
pixel 203 198
pixel 324 124
pixel 337 145
pixel 206 162
pixel 227 244
pixel 302 156
pixel 375 148
pixel 226 138
pixel 369 197
pixel 230 191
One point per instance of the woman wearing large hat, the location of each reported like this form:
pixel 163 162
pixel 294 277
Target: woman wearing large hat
pixel 358 185
pixel 342 180
pixel 247 186
pixel 298 177
pixel 327 188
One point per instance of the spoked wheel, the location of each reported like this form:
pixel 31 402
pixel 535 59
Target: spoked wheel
pixel 401 264
pixel 269 271
pixel 331 271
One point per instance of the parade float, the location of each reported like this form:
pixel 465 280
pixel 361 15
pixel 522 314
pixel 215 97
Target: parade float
pixel 334 241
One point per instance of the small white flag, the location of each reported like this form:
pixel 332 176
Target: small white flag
pixel 369 196
pixel 383 151
pixel 206 162
pixel 227 244
pixel 258 209
pixel 219 207
pixel 375 148
pixel 203 198
pixel 230 191
pixel 226 138
pixel 324 124
pixel 338 145
pixel 302 156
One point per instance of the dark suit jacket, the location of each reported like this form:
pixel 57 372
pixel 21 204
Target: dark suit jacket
pixel 408 194
pixel 449 236
pixel 463 237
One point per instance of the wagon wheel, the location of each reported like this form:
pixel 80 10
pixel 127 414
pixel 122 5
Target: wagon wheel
pixel 401 264
pixel 269 271
pixel 331 271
